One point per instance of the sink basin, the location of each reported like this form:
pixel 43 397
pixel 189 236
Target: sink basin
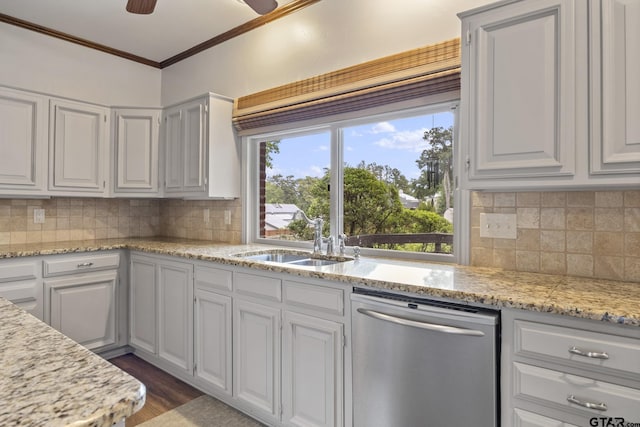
pixel 277 257
pixel 315 262
pixel 280 256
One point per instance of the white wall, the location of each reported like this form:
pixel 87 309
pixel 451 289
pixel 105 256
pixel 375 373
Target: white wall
pixel 33 61
pixel 323 37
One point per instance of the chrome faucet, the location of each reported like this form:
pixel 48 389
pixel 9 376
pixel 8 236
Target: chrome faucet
pixel 317 224
pixel 342 241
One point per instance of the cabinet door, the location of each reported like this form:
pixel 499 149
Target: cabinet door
pixel 312 360
pixel 615 87
pixel 173 150
pixel 142 304
pixel 83 308
pixel 78 145
pixel 520 80
pixel 175 313
pixel 213 339
pixel 23 137
pixel 136 145
pixel 256 348
pixel 194 143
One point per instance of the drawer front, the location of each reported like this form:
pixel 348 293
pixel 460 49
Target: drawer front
pixel 25 292
pixel 12 272
pixel 80 264
pixel 577 346
pixel 328 300
pixel 522 418
pixel 258 286
pixel 556 389
pixel 213 278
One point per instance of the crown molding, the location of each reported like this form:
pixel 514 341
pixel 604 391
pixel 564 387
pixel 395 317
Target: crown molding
pixel 278 13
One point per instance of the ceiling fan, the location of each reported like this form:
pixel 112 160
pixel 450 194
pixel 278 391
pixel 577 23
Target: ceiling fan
pixel 145 7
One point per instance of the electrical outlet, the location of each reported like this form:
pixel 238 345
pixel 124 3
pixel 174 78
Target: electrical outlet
pixel 38 216
pixel 227 217
pixel 206 215
pixel 499 226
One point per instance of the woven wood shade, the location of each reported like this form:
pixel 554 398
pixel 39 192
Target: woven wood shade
pixel 416 73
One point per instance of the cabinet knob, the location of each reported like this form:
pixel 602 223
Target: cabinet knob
pixel 85 264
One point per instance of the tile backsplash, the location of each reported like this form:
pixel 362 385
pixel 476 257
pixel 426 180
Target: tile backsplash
pixel 188 219
pixel 577 233
pixel 68 218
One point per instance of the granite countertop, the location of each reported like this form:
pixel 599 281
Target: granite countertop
pixel 46 379
pixel 606 300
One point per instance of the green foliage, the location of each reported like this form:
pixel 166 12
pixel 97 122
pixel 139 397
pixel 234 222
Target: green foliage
pixel 272 147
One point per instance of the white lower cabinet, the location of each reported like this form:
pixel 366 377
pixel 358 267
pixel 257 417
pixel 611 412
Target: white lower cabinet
pixel 269 346
pixel 312 371
pixel 82 298
pixel 568 372
pixel 257 356
pixel 84 308
pixel 21 283
pixel 162 310
pixel 212 340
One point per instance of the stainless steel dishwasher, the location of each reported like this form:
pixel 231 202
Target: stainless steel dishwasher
pixel 418 362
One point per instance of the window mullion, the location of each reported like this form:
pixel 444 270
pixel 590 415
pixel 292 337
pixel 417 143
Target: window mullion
pixel 336 179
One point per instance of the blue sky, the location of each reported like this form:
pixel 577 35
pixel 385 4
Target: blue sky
pixel 397 143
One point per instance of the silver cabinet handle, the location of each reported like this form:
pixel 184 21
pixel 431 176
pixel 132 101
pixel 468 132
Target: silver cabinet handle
pixel 422 325
pixel 85 264
pixel 591 354
pixel 585 404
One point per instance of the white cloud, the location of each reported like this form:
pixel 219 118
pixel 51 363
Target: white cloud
pixel 316 171
pixel 349 148
pixel 382 127
pixel 405 140
pixel 322 148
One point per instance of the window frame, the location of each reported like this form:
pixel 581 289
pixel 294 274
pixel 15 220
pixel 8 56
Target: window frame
pixel 334 125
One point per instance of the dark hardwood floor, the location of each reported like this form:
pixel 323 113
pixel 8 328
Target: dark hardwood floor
pixel 164 392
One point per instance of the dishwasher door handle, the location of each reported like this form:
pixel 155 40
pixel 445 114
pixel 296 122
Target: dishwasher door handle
pixel 417 324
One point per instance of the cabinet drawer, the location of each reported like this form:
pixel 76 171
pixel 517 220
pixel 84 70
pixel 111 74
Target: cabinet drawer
pixel 213 278
pixel 25 292
pixel 522 418
pixel 554 389
pixel 577 346
pixel 69 265
pixel 329 300
pixel 18 271
pixel 259 286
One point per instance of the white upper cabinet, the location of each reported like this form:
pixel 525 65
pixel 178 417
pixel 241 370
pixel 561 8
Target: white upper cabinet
pixel 550 95
pixel 136 151
pixel 23 142
pixel 78 149
pixel 201 151
pixel 615 87
pixel 519 65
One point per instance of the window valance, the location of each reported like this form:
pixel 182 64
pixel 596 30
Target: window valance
pixel 416 73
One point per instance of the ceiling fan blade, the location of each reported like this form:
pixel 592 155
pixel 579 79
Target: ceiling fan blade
pixel 262 7
pixel 142 7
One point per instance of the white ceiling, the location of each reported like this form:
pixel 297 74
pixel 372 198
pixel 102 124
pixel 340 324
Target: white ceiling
pixel 174 26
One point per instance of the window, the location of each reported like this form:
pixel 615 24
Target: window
pixel 385 181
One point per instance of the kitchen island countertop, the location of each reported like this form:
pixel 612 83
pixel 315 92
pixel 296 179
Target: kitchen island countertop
pixel 46 379
pixel 605 300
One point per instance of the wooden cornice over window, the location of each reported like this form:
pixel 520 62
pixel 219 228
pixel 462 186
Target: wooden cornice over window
pixel 416 73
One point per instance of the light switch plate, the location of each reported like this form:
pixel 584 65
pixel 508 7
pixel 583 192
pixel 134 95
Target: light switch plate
pixel 498 226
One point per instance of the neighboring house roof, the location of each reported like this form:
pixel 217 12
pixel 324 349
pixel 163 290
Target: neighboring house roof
pixel 278 215
pixel 408 201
